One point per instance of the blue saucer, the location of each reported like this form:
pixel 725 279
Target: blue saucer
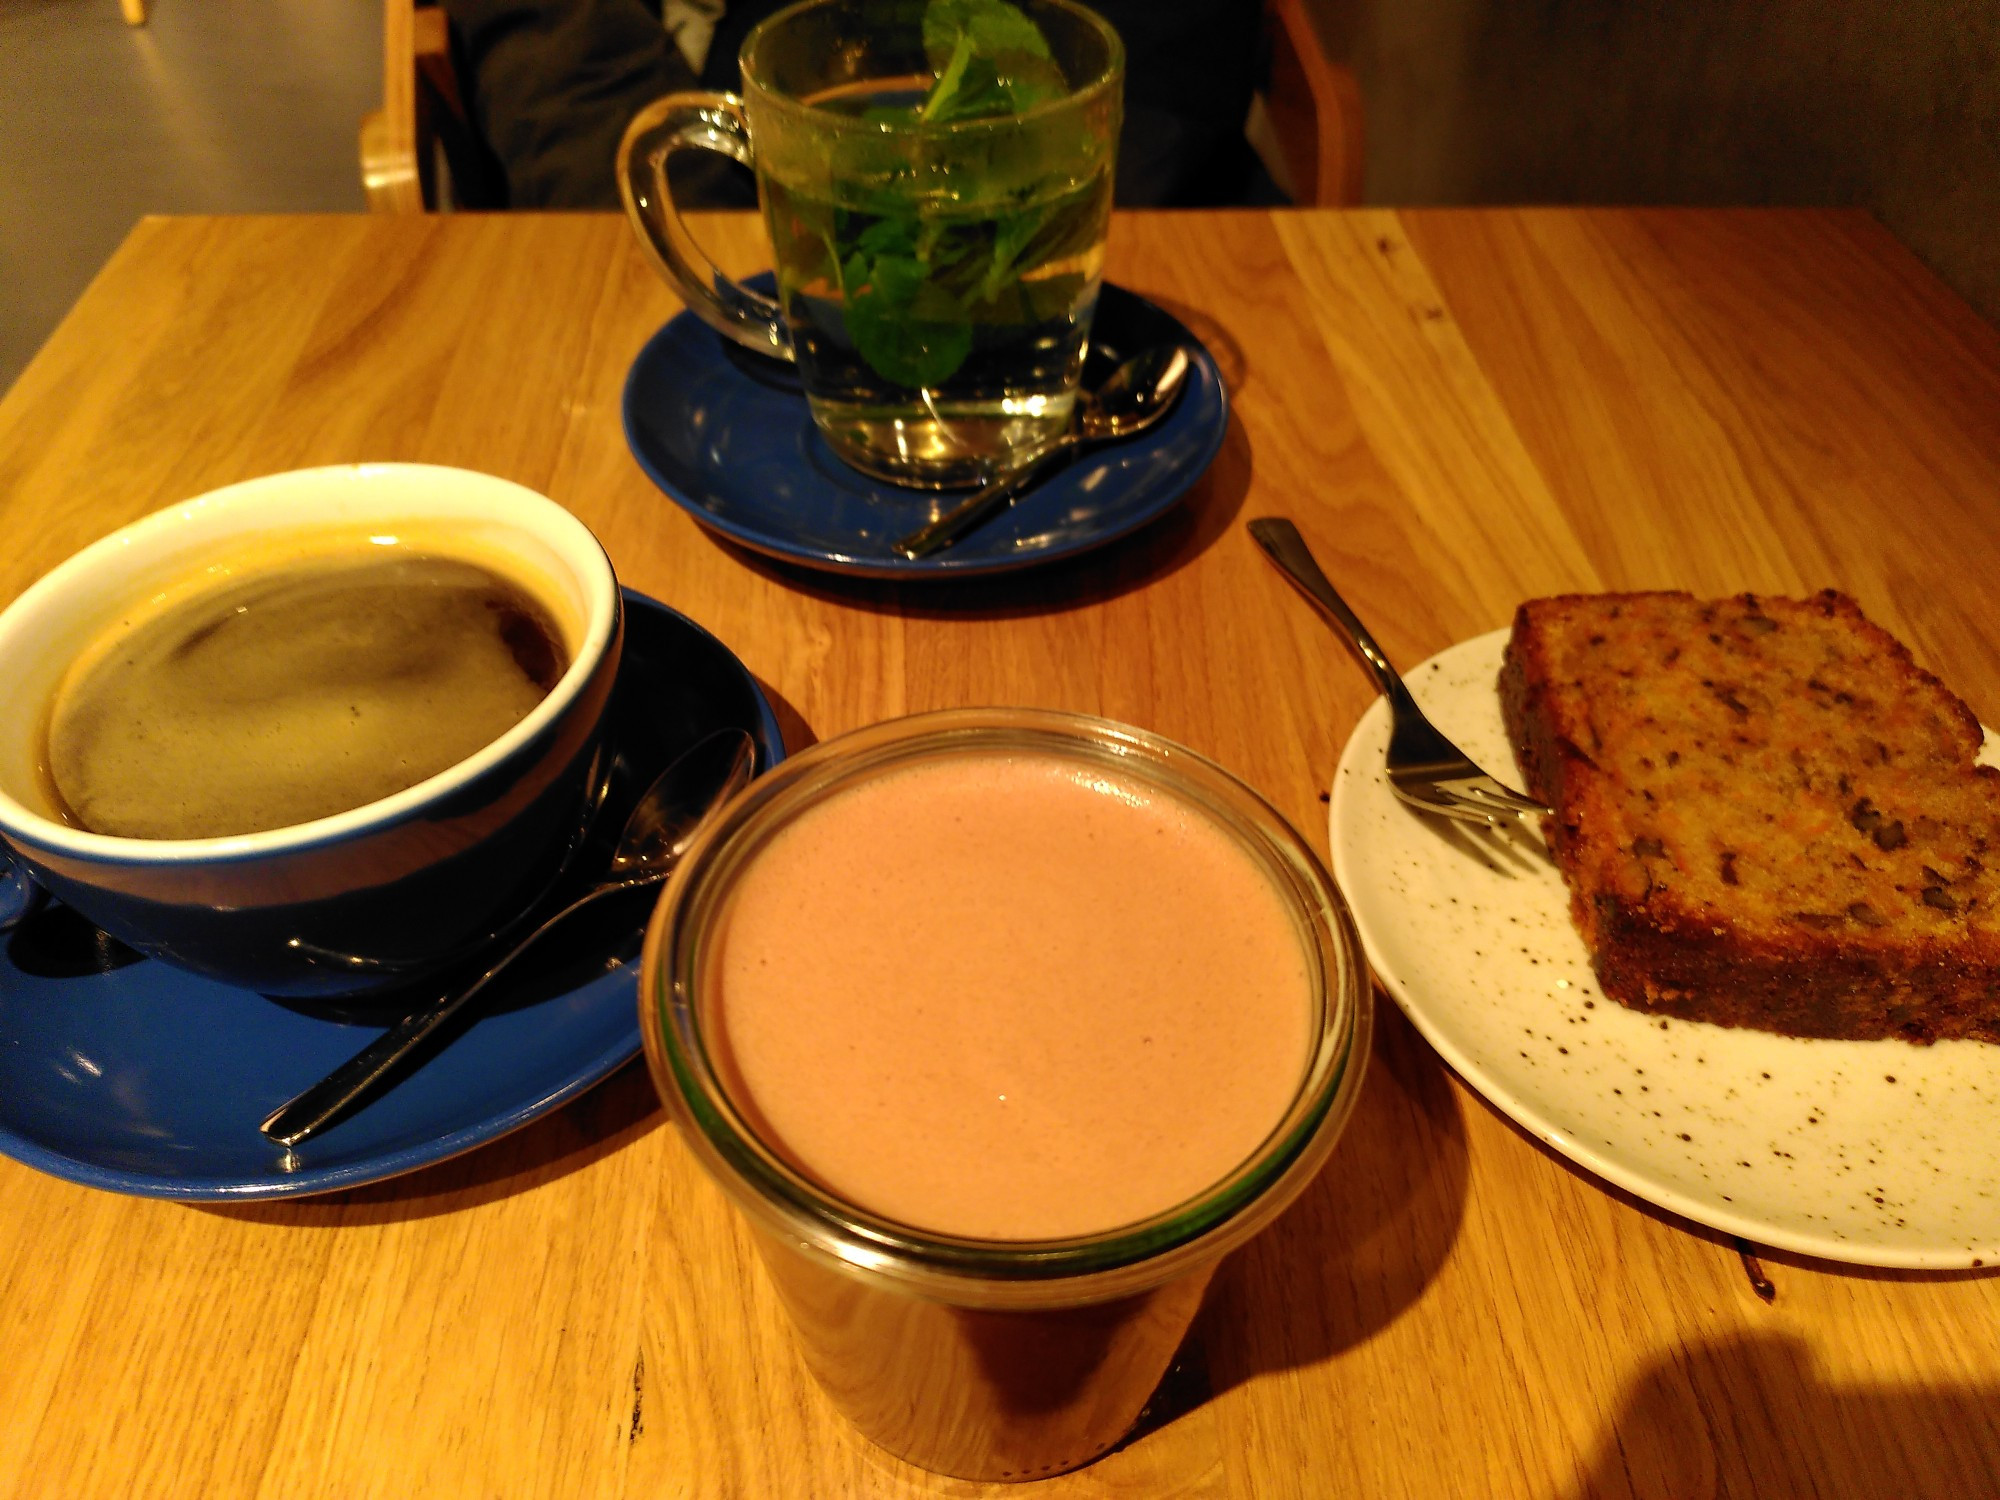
pixel 141 1078
pixel 727 436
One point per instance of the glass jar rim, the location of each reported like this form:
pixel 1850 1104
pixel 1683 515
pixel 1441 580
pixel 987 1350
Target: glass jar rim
pixel 1124 1258
pixel 1107 80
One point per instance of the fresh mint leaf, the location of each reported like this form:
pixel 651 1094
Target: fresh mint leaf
pixel 990 59
pixel 993 27
pixel 853 274
pixel 888 236
pixel 908 329
pixel 1011 236
pixel 943 100
pixel 912 279
pixel 1035 82
pixel 873 170
pixel 1047 298
pixel 898 279
pixel 918 343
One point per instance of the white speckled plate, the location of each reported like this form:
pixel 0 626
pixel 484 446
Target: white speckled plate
pixel 1879 1153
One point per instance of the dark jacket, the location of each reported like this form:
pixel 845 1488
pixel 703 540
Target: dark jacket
pixel 552 83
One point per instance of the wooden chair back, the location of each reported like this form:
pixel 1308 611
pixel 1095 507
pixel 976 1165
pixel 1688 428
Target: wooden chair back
pixel 1311 131
pixel 403 144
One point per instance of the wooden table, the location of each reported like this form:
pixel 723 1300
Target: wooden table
pixel 1461 409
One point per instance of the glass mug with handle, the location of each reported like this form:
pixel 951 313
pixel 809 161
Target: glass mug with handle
pixel 936 180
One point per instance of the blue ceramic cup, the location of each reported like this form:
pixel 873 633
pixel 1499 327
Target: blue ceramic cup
pixel 364 899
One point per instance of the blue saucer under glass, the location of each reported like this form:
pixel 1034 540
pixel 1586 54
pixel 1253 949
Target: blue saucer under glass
pixel 725 433
pixel 127 1074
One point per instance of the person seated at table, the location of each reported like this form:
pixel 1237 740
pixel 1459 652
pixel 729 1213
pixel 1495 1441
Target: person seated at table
pixel 551 85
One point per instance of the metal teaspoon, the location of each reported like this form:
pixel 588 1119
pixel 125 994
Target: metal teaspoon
pixel 658 831
pixel 1135 396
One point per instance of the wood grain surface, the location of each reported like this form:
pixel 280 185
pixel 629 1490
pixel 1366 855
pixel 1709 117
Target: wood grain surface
pixel 1460 409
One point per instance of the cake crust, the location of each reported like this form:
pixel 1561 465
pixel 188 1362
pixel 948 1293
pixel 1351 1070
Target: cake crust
pixel 1767 814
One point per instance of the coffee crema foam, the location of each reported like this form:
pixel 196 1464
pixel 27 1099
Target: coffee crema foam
pixel 293 691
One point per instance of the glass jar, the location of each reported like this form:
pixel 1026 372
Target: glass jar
pixel 994 1359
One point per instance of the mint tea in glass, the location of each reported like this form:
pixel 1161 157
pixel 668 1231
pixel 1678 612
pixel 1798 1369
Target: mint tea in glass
pixel 936 179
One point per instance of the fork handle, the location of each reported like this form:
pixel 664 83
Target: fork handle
pixel 1282 543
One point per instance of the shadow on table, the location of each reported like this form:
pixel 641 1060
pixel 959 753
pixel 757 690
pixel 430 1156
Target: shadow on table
pixel 1773 1262
pixel 607 1118
pixel 1156 550
pixel 1755 1416
pixel 1215 336
pixel 792 726
pixel 1358 1247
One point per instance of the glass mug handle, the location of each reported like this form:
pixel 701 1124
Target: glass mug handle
pixel 679 122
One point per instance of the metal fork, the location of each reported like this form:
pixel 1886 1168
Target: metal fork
pixel 1426 770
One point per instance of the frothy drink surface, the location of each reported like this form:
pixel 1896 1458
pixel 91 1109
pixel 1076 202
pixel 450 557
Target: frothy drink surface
pixel 293 693
pixel 1010 997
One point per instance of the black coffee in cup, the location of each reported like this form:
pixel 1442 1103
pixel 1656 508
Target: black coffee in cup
pixel 264 695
